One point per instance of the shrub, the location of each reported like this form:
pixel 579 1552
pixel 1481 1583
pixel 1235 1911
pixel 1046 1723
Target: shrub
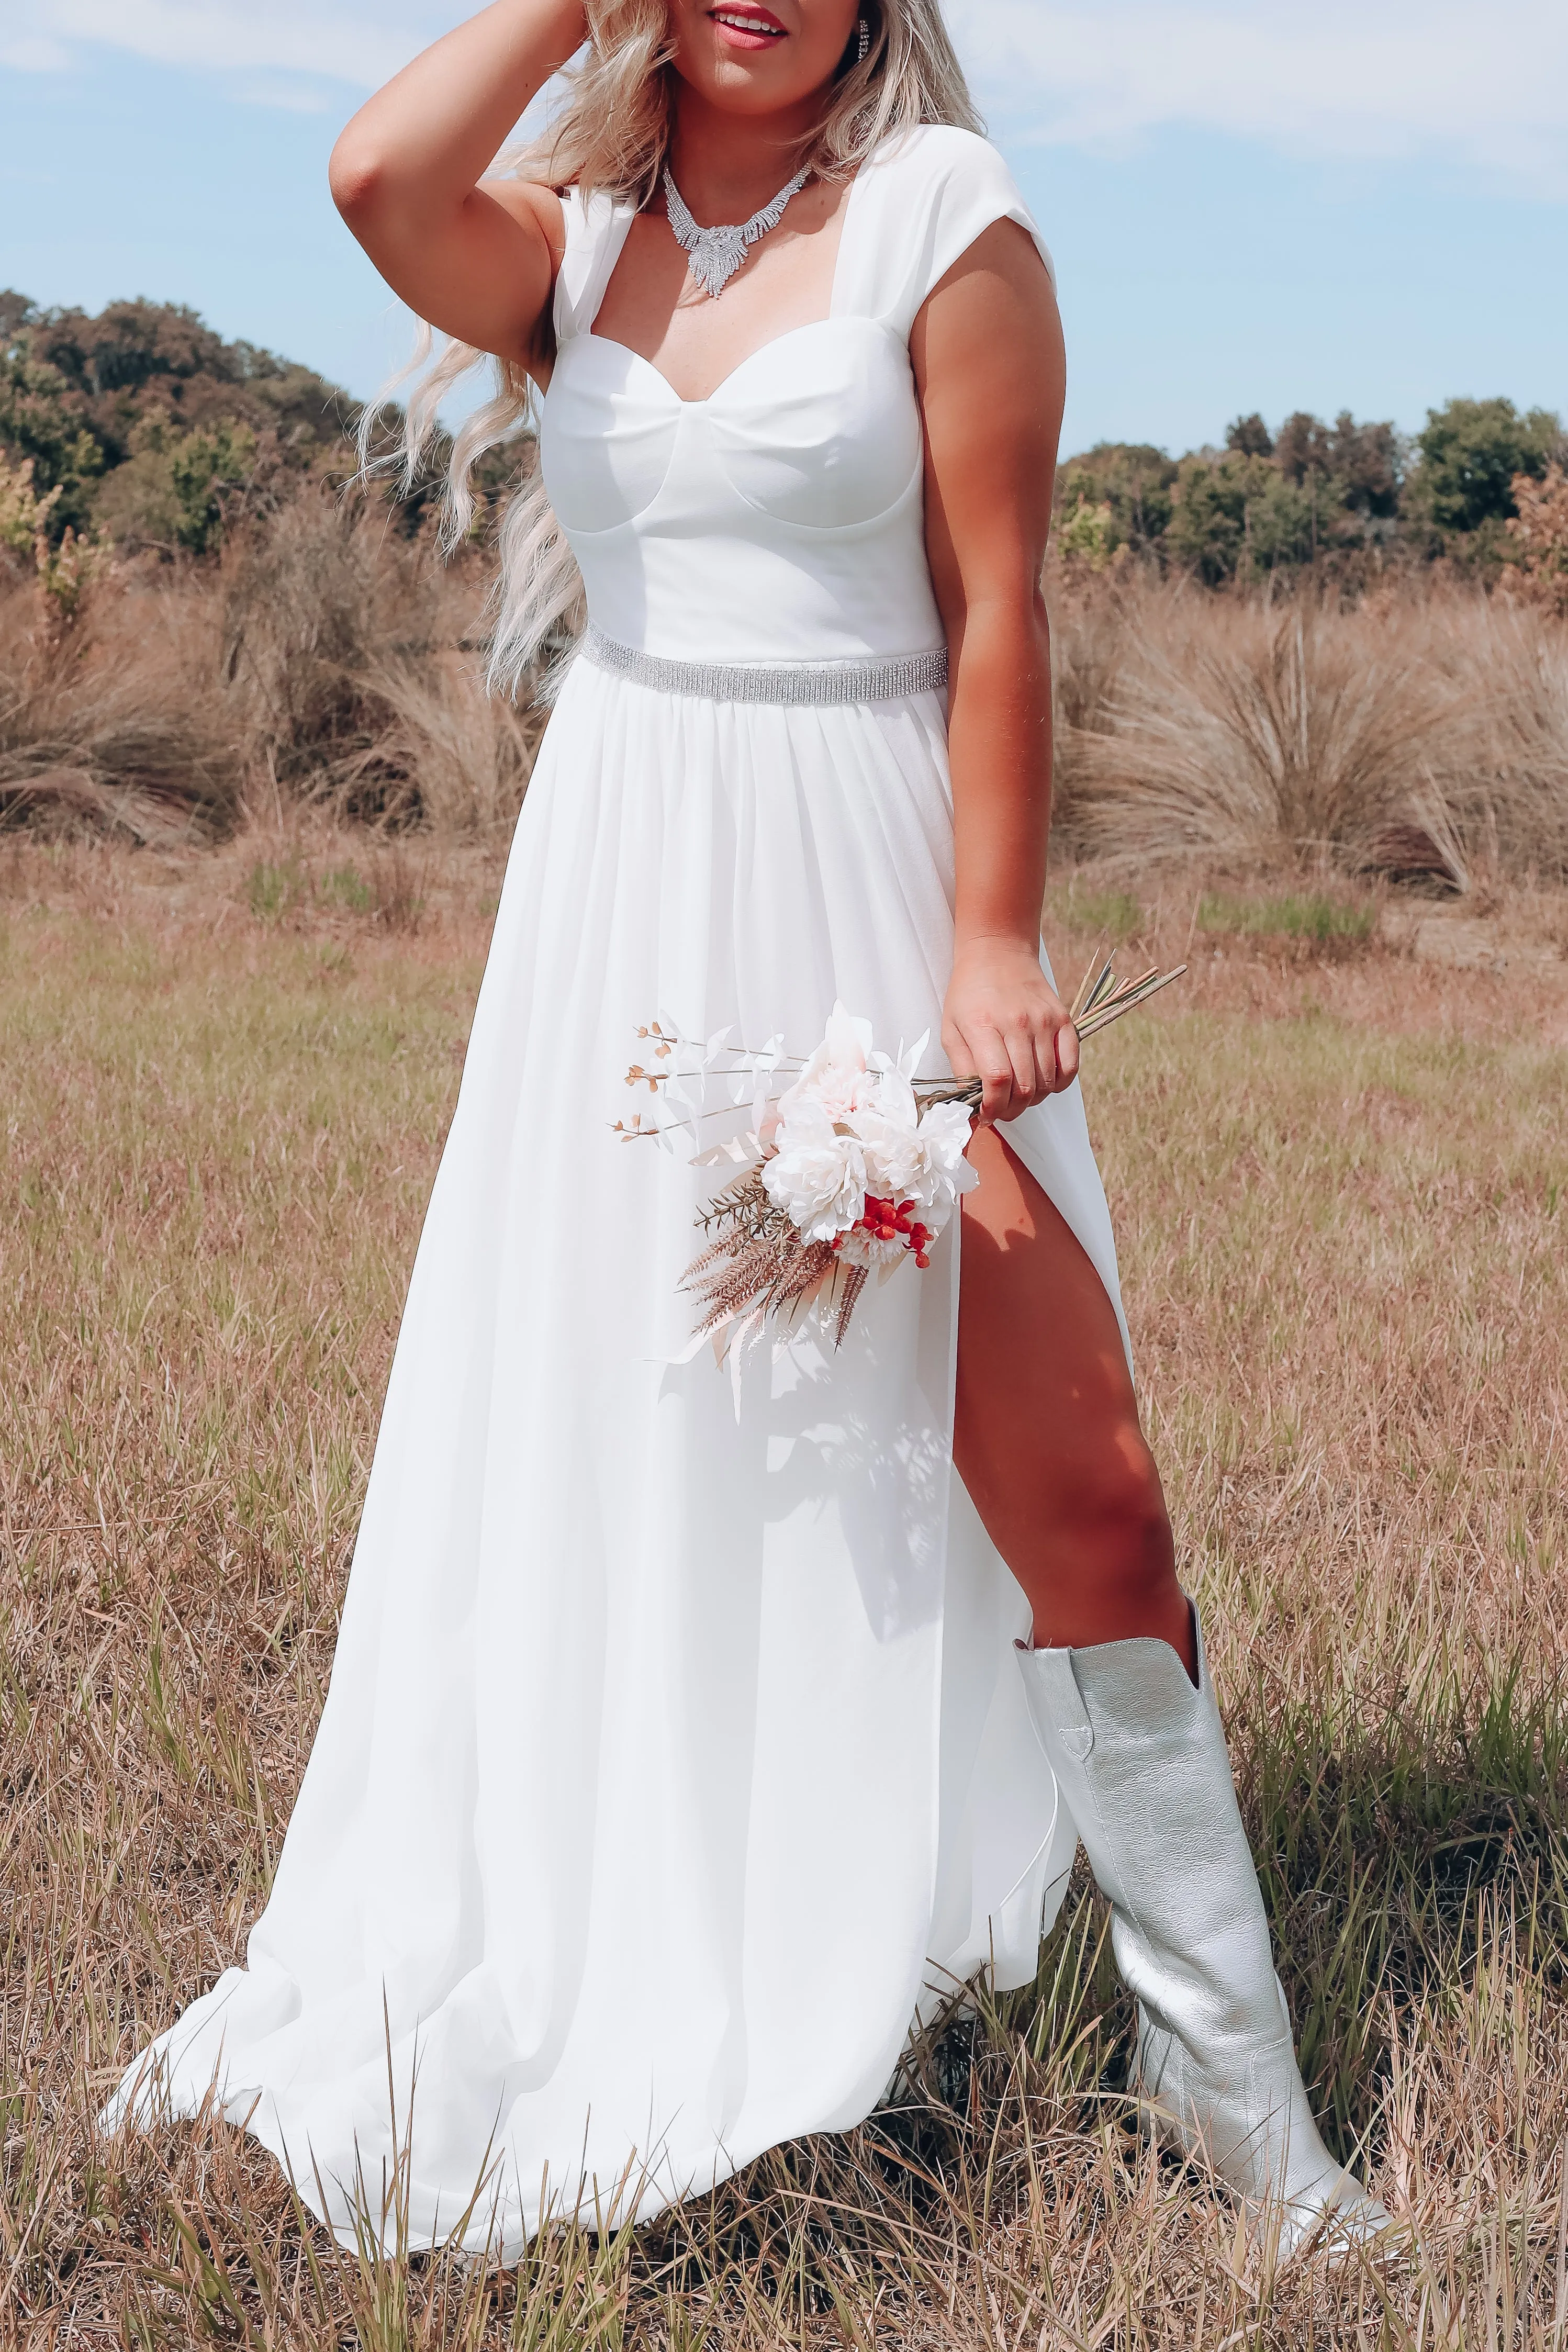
pixel 1540 535
pixel 1471 451
pixel 322 659
pixel 1088 535
pixel 1423 738
pixel 1133 479
pixel 176 489
pixel 22 513
pixel 1238 518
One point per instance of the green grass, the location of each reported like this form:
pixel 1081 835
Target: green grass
pixel 274 889
pixel 345 885
pixel 1293 917
pixel 1113 914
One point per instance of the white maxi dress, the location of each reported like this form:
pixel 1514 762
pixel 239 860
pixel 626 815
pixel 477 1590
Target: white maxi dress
pixel 676 1755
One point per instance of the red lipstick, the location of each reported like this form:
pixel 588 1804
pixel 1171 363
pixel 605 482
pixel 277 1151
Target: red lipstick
pixel 742 25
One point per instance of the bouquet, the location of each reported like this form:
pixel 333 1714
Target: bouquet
pixel 856 1166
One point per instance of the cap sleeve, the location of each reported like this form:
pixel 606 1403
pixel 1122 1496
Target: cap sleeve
pixel 596 229
pixel 930 195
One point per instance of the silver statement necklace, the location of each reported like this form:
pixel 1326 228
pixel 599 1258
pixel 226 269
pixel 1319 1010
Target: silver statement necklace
pixel 715 254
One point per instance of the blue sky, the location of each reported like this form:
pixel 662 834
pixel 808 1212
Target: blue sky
pixel 1252 206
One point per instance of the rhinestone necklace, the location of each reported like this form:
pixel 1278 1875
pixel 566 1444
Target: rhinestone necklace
pixel 715 254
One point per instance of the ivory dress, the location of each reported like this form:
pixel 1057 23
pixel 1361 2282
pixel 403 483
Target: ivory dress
pixel 675 1754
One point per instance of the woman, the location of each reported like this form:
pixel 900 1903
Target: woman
pixel 680 1748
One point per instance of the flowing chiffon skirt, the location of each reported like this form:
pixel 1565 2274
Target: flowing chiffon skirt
pixel 675 1753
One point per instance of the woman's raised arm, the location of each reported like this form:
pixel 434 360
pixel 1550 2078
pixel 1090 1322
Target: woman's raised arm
pixel 476 260
pixel 988 359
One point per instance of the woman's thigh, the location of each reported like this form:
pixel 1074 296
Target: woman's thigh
pixel 1046 1435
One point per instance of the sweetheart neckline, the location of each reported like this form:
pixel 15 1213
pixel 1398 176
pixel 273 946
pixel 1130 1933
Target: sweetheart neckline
pixel 806 327
pixel 830 318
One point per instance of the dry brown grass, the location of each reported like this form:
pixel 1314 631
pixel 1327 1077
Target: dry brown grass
pixel 327 662
pixel 1338 1177
pixel 1419 733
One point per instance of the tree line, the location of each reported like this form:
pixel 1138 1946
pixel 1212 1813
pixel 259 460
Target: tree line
pixel 143 425
pixel 1351 497
pixel 139 427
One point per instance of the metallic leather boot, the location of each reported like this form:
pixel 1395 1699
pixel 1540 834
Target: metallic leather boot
pixel 1141 1759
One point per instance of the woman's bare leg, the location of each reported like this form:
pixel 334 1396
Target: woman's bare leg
pixel 1046 1433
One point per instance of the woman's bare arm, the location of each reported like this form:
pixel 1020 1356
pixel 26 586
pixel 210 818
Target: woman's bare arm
pixel 478 261
pixel 990 367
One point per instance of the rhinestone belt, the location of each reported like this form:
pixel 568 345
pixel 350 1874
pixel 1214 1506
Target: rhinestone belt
pixel 891 678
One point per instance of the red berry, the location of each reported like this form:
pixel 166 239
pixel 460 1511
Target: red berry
pixel 922 1260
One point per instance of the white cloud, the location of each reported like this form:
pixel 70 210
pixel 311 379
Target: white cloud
pixel 34 53
pixel 1385 79
pixel 347 43
pixel 1483 86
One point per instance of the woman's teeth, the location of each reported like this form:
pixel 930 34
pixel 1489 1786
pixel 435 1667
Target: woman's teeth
pixel 744 23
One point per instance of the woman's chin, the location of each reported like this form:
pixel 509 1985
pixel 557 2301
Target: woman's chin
pixel 738 83
pixel 752 73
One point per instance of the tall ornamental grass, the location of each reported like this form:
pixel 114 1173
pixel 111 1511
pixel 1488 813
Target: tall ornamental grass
pixel 327 660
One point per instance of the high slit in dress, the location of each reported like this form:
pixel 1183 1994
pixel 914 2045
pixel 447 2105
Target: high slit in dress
pixel 675 1754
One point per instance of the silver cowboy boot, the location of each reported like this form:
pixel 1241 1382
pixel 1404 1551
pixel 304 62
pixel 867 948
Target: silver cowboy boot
pixel 1141 1759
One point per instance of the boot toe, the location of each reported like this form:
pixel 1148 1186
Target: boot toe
pixel 1347 2220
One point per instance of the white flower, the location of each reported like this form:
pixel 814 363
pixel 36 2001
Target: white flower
pixel 861 1248
pixel 946 1131
pixel 817 1176
pixel 889 1127
pixel 915 1158
pixel 850 1128
pixel 837 1075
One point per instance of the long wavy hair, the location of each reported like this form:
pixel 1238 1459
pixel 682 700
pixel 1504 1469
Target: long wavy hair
pixel 613 133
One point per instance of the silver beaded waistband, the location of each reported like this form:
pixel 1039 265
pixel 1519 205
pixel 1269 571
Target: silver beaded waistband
pixel 891 678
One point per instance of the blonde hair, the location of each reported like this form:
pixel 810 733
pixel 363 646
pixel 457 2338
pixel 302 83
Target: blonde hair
pixel 612 134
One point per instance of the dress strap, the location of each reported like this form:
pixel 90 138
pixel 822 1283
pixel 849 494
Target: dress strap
pixel 919 204
pixel 596 229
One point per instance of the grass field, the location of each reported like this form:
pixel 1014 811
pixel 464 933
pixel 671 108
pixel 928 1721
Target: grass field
pixel 1340 1183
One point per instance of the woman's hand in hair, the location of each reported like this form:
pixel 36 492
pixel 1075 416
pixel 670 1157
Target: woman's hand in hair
pixel 476 258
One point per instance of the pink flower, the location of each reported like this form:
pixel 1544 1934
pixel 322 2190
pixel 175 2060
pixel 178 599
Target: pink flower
pixel 837 1076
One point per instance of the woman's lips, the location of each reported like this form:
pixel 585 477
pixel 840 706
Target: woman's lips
pixel 747 28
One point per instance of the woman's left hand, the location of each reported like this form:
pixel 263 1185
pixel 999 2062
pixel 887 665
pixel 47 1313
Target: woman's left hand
pixel 1004 1023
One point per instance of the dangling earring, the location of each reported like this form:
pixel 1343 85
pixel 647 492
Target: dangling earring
pixel 865 43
